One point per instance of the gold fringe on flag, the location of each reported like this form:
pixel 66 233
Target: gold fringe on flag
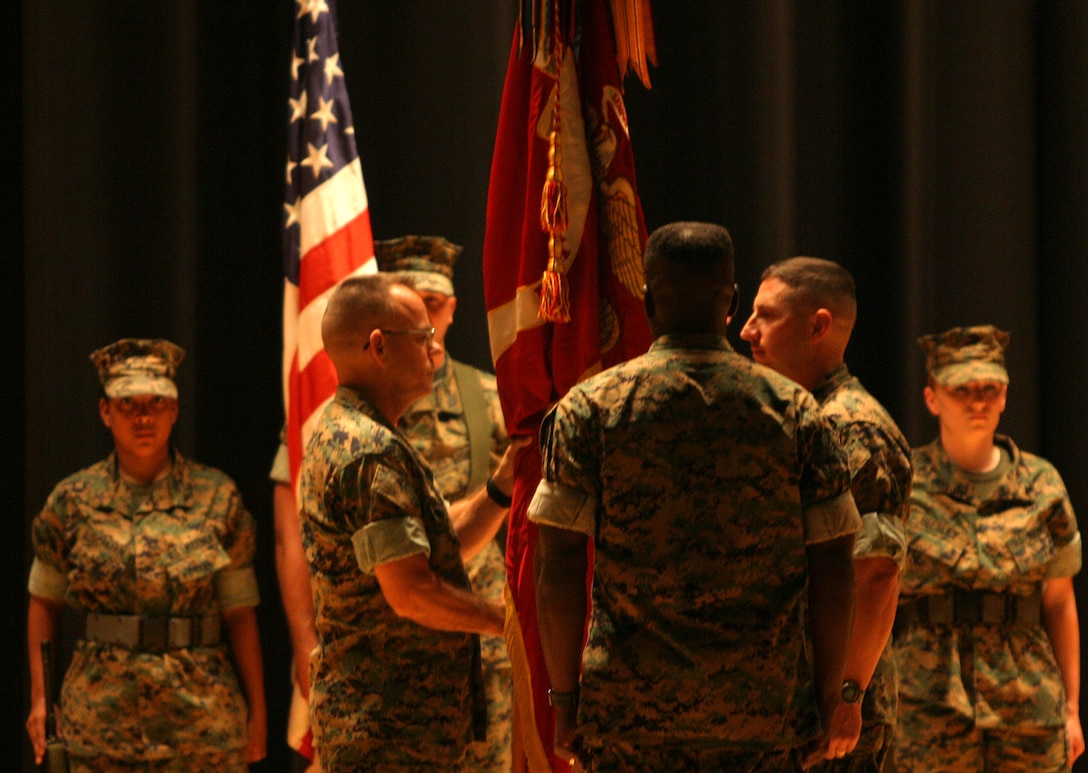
pixel 633 31
pixel 526 736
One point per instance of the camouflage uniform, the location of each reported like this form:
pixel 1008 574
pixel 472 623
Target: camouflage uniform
pixel 182 546
pixel 1000 680
pixel 701 477
pixel 437 428
pixel 386 693
pixel 880 472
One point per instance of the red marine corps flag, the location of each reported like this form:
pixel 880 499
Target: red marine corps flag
pixel 562 264
pixel 326 237
pixel 327 232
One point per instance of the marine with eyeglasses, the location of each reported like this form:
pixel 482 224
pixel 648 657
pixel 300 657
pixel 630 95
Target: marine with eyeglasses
pixel 395 679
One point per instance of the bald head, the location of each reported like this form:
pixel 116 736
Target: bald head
pixel 357 305
pixel 689 278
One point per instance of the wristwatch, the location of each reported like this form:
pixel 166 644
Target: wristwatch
pixel 852 692
pixel 563 700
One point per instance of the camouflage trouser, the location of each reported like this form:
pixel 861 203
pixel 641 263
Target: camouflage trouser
pixel 948 743
pixel 623 757
pixel 394 755
pixel 233 763
pixel 869 756
pixel 495 755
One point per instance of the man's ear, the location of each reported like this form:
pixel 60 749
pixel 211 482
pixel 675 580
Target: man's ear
pixel 930 395
pixel 648 302
pixel 104 410
pixel 734 302
pixel 821 324
pixel 377 343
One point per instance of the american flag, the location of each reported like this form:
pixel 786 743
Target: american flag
pixel 327 232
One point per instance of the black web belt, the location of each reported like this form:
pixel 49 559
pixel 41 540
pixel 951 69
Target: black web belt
pixel 151 633
pixel 971 607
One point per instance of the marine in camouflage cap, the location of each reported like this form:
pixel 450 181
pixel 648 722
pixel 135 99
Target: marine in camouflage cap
pixel 138 366
pixel 965 354
pixel 427 261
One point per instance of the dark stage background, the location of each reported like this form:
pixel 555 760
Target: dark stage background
pixel 937 149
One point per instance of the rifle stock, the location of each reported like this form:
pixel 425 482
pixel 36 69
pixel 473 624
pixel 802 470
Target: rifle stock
pixel 56 756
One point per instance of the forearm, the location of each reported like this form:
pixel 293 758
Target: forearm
pixel 1063 630
pixel 293 573
pixel 245 650
pixel 415 592
pixel 560 567
pixel 877 583
pixel 43 623
pixel 831 615
pixel 476 519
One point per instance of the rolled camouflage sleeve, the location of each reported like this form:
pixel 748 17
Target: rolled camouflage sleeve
pixel 48 573
pixel 391 526
pixel 880 476
pixel 828 506
pixel 1062 525
pixel 568 494
pixel 236 584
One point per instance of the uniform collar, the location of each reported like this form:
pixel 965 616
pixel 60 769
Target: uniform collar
pixel 833 381
pixel 691 341
pixel 951 479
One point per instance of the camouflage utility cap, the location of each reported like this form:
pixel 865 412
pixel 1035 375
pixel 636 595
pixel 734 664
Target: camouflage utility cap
pixel 138 366
pixel 427 261
pixel 965 354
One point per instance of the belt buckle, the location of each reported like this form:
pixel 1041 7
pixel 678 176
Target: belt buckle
pixel 180 632
pixel 209 631
pixel 996 608
pixel 968 608
pixel 1028 610
pixel 154 633
pixel 939 610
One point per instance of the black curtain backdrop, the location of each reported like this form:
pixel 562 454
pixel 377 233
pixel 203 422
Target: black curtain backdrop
pixel 936 149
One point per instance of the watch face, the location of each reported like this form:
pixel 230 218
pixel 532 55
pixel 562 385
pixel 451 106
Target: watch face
pixel 852 692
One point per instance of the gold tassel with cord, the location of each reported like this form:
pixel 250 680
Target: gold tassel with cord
pixel 554 286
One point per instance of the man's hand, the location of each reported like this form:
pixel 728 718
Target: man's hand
pixel 35 728
pixel 568 744
pixel 506 471
pixel 845 730
pixel 256 737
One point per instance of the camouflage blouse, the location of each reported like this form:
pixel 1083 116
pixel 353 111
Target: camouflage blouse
pixel 1012 541
pixel 382 685
pixel 701 476
pixel 182 546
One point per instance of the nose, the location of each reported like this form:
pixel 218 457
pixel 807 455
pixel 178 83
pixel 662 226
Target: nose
pixel 748 332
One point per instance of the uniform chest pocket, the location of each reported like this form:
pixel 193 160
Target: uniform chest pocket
pixel 931 560
pixel 190 563
pixel 1030 550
